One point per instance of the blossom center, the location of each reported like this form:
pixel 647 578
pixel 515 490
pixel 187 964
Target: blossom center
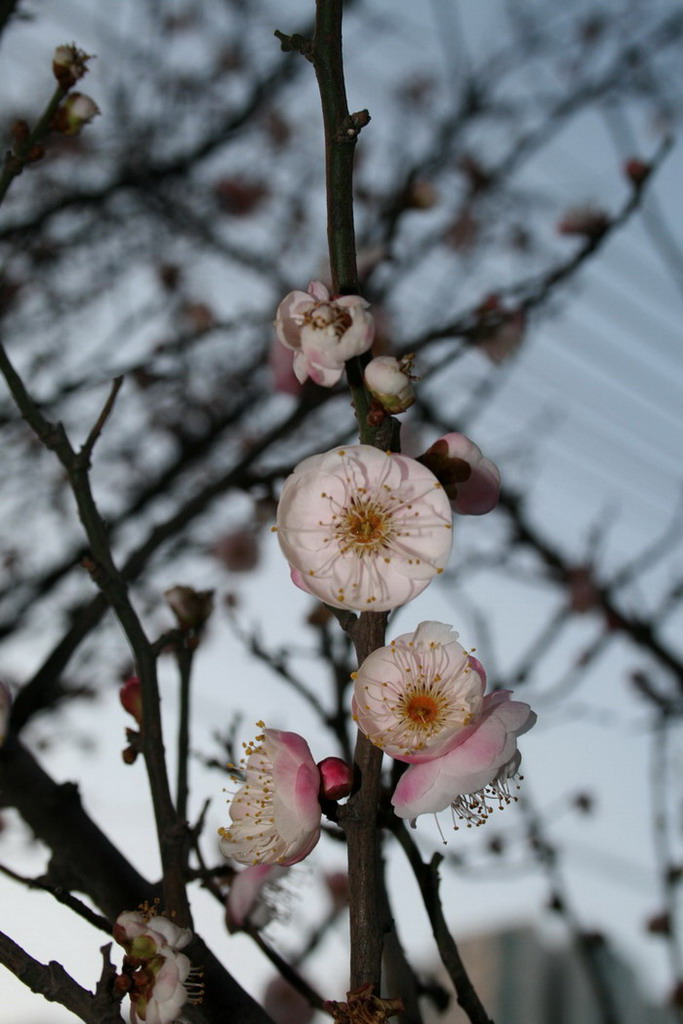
pixel 422 709
pixel 364 525
pixel 323 315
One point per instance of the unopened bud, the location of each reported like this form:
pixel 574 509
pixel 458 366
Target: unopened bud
pixel 390 382
pixel 20 131
pixel 471 481
pixel 191 608
pixel 336 778
pixel 131 698
pixel 69 64
pixel 637 170
pixel 76 111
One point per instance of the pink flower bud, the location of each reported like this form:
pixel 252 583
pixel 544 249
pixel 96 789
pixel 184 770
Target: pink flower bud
pixel 390 382
pixel 131 698
pixel 336 778
pixel 471 481
pixel 637 170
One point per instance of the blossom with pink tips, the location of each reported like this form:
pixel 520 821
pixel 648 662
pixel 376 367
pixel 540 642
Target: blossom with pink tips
pixel 471 481
pixel 275 814
pixel 364 529
pixel 421 700
pixel 420 696
pixel 478 770
pixel 323 332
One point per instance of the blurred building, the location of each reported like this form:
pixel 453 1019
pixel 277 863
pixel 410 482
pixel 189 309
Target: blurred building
pixel 522 980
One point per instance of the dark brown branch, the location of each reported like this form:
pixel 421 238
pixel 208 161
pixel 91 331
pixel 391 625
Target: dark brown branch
pixel 54 984
pixel 62 896
pixel 42 689
pixel 85 860
pixel 359 820
pixel 113 586
pixel 427 877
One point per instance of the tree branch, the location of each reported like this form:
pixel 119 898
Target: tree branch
pixel 53 982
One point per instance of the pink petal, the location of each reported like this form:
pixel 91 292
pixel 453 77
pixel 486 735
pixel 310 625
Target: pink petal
pixel 480 493
pixel 430 787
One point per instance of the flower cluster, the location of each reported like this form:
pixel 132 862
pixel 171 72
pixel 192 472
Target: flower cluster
pixel 155 974
pixel 367 530
pixel 323 332
pixel 364 529
pixel 421 699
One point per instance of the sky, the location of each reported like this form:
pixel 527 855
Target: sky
pixel 589 418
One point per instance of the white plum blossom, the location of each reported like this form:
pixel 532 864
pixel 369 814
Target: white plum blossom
pixel 475 772
pixel 323 332
pixel 417 698
pixel 390 382
pixel 364 529
pixel 421 700
pixel 471 481
pixel 168 994
pixel 276 813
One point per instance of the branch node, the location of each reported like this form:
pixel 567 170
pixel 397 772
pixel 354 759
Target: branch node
pixel 353 123
pixel 295 44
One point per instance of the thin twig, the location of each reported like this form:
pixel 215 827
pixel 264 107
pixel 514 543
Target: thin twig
pixel 62 896
pixel 427 877
pixel 86 450
pixel 54 984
